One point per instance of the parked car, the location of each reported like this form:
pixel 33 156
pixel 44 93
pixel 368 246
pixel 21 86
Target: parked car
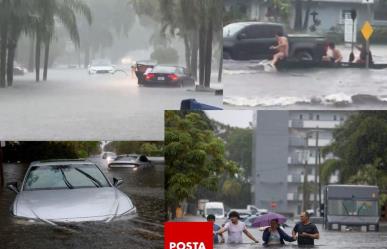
pixel 66 191
pixel 101 67
pixel 131 161
pixel 168 75
pixel 214 208
pixel 109 156
pixel 18 69
pixel 141 68
pixel 252 40
pixel 243 213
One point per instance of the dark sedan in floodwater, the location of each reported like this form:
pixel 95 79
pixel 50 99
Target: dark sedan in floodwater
pixel 168 76
pixel 67 191
pixel 131 161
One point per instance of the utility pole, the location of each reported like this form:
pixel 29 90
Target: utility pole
pixel 368 41
pixel 304 187
pixel 319 181
pixel 316 173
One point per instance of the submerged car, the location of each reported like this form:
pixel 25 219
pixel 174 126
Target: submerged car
pixel 168 75
pixel 142 68
pixel 66 191
pixel 109 156
pixel 131 161
pixel 101 67
pixel 18 69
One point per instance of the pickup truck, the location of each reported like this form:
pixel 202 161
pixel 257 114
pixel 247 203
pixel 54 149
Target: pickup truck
pixel 252 41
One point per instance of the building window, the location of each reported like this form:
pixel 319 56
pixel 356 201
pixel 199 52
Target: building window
pixel 317 117
pixel 301 117
pixel 310 116
pixel 334 118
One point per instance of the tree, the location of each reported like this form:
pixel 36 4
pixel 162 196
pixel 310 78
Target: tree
pixel 194 157
pixel 360 150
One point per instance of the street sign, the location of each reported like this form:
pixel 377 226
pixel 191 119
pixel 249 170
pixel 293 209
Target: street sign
pixel 367 30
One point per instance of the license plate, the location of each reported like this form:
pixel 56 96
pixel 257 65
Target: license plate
pixel 160 78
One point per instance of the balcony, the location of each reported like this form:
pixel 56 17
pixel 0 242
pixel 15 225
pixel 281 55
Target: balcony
pixel 311 124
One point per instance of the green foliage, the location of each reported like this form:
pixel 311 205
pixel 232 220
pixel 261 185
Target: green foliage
pixel 165 55
pixel 129 147
pixel 33 151
pixel 194 156
pixel 360 146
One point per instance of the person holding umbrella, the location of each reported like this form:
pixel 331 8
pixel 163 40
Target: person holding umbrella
pixel 307 232
pixel 235 229
pixel 274 235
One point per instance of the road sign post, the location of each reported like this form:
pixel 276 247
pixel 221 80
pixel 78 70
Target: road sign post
pixel 367 32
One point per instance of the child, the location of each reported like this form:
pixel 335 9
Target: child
pixel 211 218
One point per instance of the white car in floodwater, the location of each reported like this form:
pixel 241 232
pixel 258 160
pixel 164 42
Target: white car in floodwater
pixel 66 191
pixel 101 67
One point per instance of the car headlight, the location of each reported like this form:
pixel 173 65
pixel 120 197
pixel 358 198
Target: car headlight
pixel 131 213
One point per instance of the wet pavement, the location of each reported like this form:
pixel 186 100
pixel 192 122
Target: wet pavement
pixel 144 187
pixel 247 84
pixel 73 105
pixel 329 240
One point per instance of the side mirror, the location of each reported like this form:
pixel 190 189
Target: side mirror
pixel 242 36
pixel 13 187
pixel 117 182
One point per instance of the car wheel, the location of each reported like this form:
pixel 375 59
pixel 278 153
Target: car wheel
pixel 226 55
pixel 304 56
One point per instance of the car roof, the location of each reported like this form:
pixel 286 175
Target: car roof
pixel 146 62
pixel 259 23
pixel 60 162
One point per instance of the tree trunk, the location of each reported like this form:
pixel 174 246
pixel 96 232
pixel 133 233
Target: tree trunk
pixel 31 55
pixel 10 61
pixel 87 56
pixel 298 17
pixel 194 54
pixel 202 45
pixel 37 55
pixel 46 57
pixel 187 52
pixel 307 14
pixel 3 50
pixel 208 61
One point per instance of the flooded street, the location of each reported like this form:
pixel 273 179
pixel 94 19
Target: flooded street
pixel 73 105
pixel 248 85
pixel 331 240
pixel 144 187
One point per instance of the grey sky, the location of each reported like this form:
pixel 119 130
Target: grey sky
pixel 236 118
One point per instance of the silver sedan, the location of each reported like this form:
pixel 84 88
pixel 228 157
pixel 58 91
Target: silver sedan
pixel 69 191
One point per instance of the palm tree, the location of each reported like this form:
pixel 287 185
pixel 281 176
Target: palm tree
pixel 48 11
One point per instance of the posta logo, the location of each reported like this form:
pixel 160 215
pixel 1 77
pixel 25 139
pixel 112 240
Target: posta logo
pixel 188 235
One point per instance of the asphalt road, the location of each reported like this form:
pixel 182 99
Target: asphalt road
pixel 72 105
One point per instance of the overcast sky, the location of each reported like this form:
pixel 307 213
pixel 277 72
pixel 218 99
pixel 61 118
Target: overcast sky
pixel 235 118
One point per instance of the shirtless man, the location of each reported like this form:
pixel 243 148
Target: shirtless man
pixel 282 49
pixel 333 54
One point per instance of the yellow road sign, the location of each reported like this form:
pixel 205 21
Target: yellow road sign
pixel 367 30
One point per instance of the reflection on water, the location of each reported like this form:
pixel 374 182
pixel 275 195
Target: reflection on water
pixel 144 187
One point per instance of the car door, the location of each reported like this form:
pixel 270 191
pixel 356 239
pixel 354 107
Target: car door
pixel 249 44
pixel 268 39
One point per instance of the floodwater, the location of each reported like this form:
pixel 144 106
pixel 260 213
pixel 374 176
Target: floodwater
pixel 328 240
pixel 73 105
pixel 248 85
pixel 144 187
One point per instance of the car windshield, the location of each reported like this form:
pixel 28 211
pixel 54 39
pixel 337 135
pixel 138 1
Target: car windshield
pixel 65 177
pixel 352 208
pixel 215 211
pixel 232 29
pixel 164 69
pixel 101 63
pixel 127 158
